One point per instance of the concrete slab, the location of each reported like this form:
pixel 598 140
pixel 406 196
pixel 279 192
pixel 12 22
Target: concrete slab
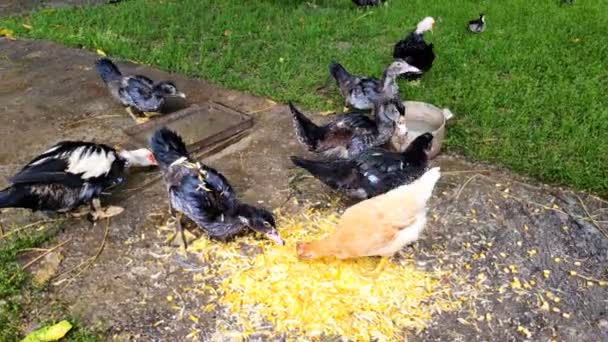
pixel 48 92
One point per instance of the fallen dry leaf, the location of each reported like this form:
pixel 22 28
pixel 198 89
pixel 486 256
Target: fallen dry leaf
pixel 27 26
pixel 7 33
pixel 100 52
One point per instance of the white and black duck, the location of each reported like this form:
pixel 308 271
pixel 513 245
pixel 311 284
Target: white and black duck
pixel 361 92
pixel 414 50
pixel 139 94
pixel 478 25
pixel 70 174
pixel 348 135
pixel 204 195
pixel 373 172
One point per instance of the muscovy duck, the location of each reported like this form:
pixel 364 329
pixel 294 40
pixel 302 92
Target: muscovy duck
pixel 478 25
pixel 361 92
pixel 347 135
pixel 204 195
pixel 139 94
pixel 70 174
pixel 373 172
pixel 365 3
pixel 414 50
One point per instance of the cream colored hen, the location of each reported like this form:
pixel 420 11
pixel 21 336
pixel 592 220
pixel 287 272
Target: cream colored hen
pixel 379 226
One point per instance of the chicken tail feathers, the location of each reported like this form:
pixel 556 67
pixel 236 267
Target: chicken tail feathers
pixel 107 70
pixel 307 132
pixel 338 72
pixel 167 147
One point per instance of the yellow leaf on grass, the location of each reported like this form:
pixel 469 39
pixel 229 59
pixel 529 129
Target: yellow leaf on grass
pixel 49 333
pixel 100 52
pixel 27 26
pixel 7 33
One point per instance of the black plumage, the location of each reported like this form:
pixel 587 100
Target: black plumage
pixel 414 50
pixel 139 94
pixel 70 174
pixel 478 25
pixel 365 3
pixel 362 92
pixel 373 172
pixel 349 134
pixel 204 195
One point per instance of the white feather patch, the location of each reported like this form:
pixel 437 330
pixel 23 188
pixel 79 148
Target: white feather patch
pixel 90 163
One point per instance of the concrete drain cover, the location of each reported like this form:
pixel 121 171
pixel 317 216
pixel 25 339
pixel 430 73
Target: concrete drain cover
pixel 200 126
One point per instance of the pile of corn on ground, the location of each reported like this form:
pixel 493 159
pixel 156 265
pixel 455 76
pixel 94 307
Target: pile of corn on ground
pixel 272 292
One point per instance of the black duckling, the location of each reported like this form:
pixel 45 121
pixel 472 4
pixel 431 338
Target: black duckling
pixel 70 174
pixel 361 92
pixel 349 134
pixel 139 94
pixel 204 195
pixel 374 172
pixel 366 3
pixel 478 25
pixel 414 50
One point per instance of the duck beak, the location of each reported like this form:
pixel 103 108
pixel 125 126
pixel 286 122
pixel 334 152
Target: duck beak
pixel 180 94
pixel 274 236
pixel 151 159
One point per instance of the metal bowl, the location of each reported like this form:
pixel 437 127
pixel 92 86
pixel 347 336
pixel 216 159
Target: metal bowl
pixel 421 117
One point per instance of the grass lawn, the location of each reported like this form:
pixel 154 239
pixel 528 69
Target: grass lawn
pixel 530 93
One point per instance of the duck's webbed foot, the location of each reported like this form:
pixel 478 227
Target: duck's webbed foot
pixel 136 115
pixel 152 114
pixel 179 228
pixel 98 212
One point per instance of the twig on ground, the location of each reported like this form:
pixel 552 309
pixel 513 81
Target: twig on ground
pixel 3 236
pixel 593 221
pixel 458 172
pixel 83 266
pixel 45 253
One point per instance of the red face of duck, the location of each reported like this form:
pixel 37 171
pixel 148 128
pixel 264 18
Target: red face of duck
pixel 142 157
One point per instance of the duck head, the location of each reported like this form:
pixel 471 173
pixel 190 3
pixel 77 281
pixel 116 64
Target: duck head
pixel 259 220
pixel 141 157
pixel 399 66
pixel 426 24
pixel 423 142
pixel 168 88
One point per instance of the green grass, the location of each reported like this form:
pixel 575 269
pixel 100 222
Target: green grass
pixel 530 93
pixel 17 292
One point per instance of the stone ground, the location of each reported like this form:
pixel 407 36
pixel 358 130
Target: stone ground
pixel 497 224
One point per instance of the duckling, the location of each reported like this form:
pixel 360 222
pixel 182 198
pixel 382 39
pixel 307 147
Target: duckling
pixel 365 3
pixel 414 50
pixel 361 92
pixel 349 134
pixel 379 226
pixel 204 195
pixel 374 171
pixel 70 174
pixel 139 94
pixel 478 25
